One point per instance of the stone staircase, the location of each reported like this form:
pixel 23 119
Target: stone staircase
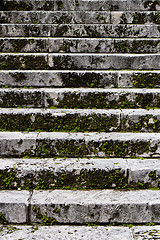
pixel 80 119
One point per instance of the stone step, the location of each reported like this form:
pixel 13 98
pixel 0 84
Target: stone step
pixel 74 5
pixel 80 30
pixel 79 207
pixel 80 17
pixel 62 144
pixel 72 78
pixel 77 120
pixel 79 45
pixel 79 98
pixel 73 173
pixel 16 232
pixel 78 61
pixel 128 232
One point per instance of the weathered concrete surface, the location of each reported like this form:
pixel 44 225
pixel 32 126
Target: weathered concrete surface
pixel 73 78
pixel 14 206
pixel 73 173
pixel 79 45
pixel 80 30
pixel 95 206
pixel 88 5
pixel 78 61
pixel 51 144
pixel 17 232
pixel 80 17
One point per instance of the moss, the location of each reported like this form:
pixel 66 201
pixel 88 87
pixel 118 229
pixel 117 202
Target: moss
pixel 69 122
pixel 45 221
pixel 124 149
pixel 105 100
pixel 146 80
pixel 3 219
pixel 21 99
pixel 18 76
pixel 136 46
pixel 27 62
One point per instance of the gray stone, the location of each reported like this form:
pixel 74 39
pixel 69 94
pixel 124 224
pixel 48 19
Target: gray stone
pixel 88 5
pixel 105 206
pixel 80 30
pixel 79 45
pixel 72 78
pixel 79 61
pixel 64 232
pixel 80 17
pixel 51 144
pixel 14 206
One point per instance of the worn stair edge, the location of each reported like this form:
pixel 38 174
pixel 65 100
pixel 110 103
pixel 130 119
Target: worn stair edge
pixel 72 5
pixel 79 61
pixel 80 17
pixel 73 78
pixel 62 144
pixel 79 120
pixel 79 45
pixel 70 98
pixel 80 30
pixel 79 173
pixel 16 232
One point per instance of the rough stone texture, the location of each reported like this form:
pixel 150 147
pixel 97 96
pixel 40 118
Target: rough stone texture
pixel 102 98
pixel 141 120
pixel 80 120
pixel 80 30
pixel 80 98
pixel 95 206
pixel 80 17
pixel 17 232
pixel 59 120
pixel 79 45
pixel 88 5
pixel 14 206
pixel 79 173
pixel 72 78
pixel 61 61
pixel 21 97
pixel 51 144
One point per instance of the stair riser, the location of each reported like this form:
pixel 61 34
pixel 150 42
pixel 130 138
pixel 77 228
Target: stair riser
pixel 78 62
pixel 79 30
pixel 79 145
pixel 79 45
pixel 81 17
pixel 80 121
pixel 115 5
pixel 79 174
pixel 52 98
pixel 102 79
